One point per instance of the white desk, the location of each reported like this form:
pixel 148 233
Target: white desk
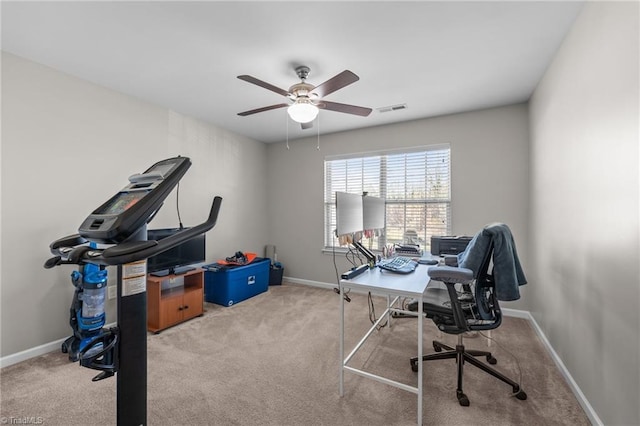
pixel 392 284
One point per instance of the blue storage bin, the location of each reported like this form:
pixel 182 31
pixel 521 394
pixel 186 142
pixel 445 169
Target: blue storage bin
pixel 226 286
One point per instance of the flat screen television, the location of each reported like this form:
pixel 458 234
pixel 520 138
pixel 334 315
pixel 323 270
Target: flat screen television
pixel 177 260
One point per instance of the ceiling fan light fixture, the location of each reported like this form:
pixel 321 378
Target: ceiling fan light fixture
pixel 303 110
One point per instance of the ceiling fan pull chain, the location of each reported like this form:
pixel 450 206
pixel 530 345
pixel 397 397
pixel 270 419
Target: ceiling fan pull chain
pixel 318 126
pixel 286 117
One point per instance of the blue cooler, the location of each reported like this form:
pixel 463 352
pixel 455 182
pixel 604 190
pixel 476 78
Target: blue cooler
pixel 226 285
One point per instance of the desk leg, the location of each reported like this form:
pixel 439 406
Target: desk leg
pixel 420 362
pixel 341 340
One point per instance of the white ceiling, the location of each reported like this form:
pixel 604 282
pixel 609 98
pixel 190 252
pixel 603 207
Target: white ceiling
pixel 437 57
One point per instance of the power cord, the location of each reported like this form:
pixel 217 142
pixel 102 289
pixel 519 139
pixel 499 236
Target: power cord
pixel 178 205
pixel 346 294
pixel 404 304
pixel 372 313
pixel 354 254
pixel 514 358
pixel 335 267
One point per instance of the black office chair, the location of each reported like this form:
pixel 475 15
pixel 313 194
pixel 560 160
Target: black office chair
pixel 459 309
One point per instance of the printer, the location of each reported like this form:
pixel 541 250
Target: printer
pixel 442 245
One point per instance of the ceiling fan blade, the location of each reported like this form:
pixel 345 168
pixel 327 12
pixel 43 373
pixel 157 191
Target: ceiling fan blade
pixel 349 109
pixel 267 108
pixel 266 85
pixel 306 125
pixel 341 80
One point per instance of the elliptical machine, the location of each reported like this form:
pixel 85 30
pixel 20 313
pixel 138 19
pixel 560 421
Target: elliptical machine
pixel 121 223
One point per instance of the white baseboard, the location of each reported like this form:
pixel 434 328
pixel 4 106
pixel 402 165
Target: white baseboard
pixel 582 399
pixel 309 282
pixel 516 313
pixel 8 360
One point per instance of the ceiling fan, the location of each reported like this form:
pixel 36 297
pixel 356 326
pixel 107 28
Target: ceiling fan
pixel 308 99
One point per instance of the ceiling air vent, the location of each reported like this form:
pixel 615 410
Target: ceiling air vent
pixel 392 108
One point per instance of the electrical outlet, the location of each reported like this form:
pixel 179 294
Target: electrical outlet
pixel 113 292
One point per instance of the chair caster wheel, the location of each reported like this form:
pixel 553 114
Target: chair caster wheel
pixel 64 349
pixel 414 365
pixel 491 360
pixel 462 399
pixel 521 395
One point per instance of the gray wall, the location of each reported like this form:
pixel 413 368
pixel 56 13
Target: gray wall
pixel 68 145
pixel 489 161
pixel 584 198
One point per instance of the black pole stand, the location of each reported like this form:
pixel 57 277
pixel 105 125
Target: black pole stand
pixel 131 384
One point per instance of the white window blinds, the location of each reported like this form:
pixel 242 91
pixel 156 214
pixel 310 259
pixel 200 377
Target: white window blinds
pixel 416 187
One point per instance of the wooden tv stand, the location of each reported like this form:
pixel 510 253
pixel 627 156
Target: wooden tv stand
pixel 170 302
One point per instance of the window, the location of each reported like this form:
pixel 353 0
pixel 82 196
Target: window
pixel 415 184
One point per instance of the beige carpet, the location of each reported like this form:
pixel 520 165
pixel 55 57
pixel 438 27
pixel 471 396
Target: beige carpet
pixel 273 360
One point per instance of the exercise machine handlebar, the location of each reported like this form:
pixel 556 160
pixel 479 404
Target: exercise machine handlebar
pixel 67 251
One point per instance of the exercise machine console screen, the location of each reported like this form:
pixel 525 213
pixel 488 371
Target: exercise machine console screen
pixel 124 213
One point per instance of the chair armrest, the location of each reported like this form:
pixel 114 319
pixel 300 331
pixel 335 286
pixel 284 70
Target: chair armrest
pixel 449 274
pixel 451 260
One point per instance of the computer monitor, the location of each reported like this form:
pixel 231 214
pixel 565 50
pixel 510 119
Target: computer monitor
pixel 374 211
pixel 349 213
